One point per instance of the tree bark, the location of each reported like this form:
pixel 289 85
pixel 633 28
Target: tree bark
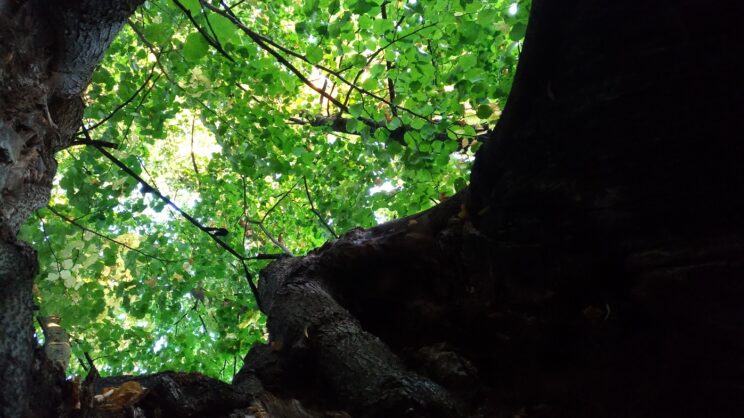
pixel 595 268
pixel 48 50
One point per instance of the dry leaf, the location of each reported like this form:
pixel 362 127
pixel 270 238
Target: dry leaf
pixel 116 398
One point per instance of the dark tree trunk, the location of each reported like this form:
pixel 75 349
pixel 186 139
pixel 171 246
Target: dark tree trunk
pixel 592 269
pixel 595 267
pixel 48 50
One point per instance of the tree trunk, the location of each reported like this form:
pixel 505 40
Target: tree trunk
pixel 48 50
pixel 592 269
pixel 595 266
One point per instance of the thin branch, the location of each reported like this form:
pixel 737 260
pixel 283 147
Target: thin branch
pixel 193 308
pixel 49 242
pixel 106 144
pixel 271 237
pixel 283 195
pixel 204 325
pixel 211 29
pixel 353 86
pixel 338 124
pixel 251 284
pixel 245 211
pixel 193 159
pixel 215 43
pixel 173 82
pixel 389 66
pixel 263 44
pixel 126 102
pixel 147 188
pixel 90 362
pixel 315 211
pixel 107 238
pixel 325 84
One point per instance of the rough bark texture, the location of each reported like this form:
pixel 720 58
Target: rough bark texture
pixel 48 50
pixel 595 269
pixel 592 269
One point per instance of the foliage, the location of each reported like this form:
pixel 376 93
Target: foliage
pixel 214 119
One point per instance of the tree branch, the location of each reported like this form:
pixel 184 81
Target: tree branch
pixel 215 43
pixel 262 43
pixel 315 211
pixel 94 143
pixel 193 158
pixel 270 236
pixel 338 124
pixel 107 238
pixel 49 242
pixel 283 196
pixel 147 188
pixel 126 102
pixel 389 66
pixel 265 43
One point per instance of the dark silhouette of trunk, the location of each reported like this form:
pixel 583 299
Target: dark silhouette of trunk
pixel 48 50
pixel 592 268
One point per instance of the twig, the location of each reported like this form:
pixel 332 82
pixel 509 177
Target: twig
pixel 271 237
pixel 315 211
pixel 155 52
pixel 204 325
pixel 261 42
pixel 193 308
pixel 214 42
pixel 107 238
pixel 265 43
pixel 49 242
pixel 92 367
pixel 81 363
pixel 147 188
pixel 389 66
pixel 126 102
pixel 283 196
pixel 193 159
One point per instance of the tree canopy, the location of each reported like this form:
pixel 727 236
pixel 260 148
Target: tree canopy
pixel 274 127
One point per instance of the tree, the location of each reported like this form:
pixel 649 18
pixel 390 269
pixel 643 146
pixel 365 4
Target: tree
pixel 560 282
pixel 245 146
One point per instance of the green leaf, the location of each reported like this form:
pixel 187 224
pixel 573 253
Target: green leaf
pixel 333 7
pixel 467 61
pixel 310 6
pixel 370 84
pixel 517 32
pixel 484 111
pixel 193 6
pixel 195 47
pixel 225 30
pixel 360 6
pixel 314 54
pixel 418 123
pixel 469 31
pixel 356 109
pixel 358 60
pixel 394 123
